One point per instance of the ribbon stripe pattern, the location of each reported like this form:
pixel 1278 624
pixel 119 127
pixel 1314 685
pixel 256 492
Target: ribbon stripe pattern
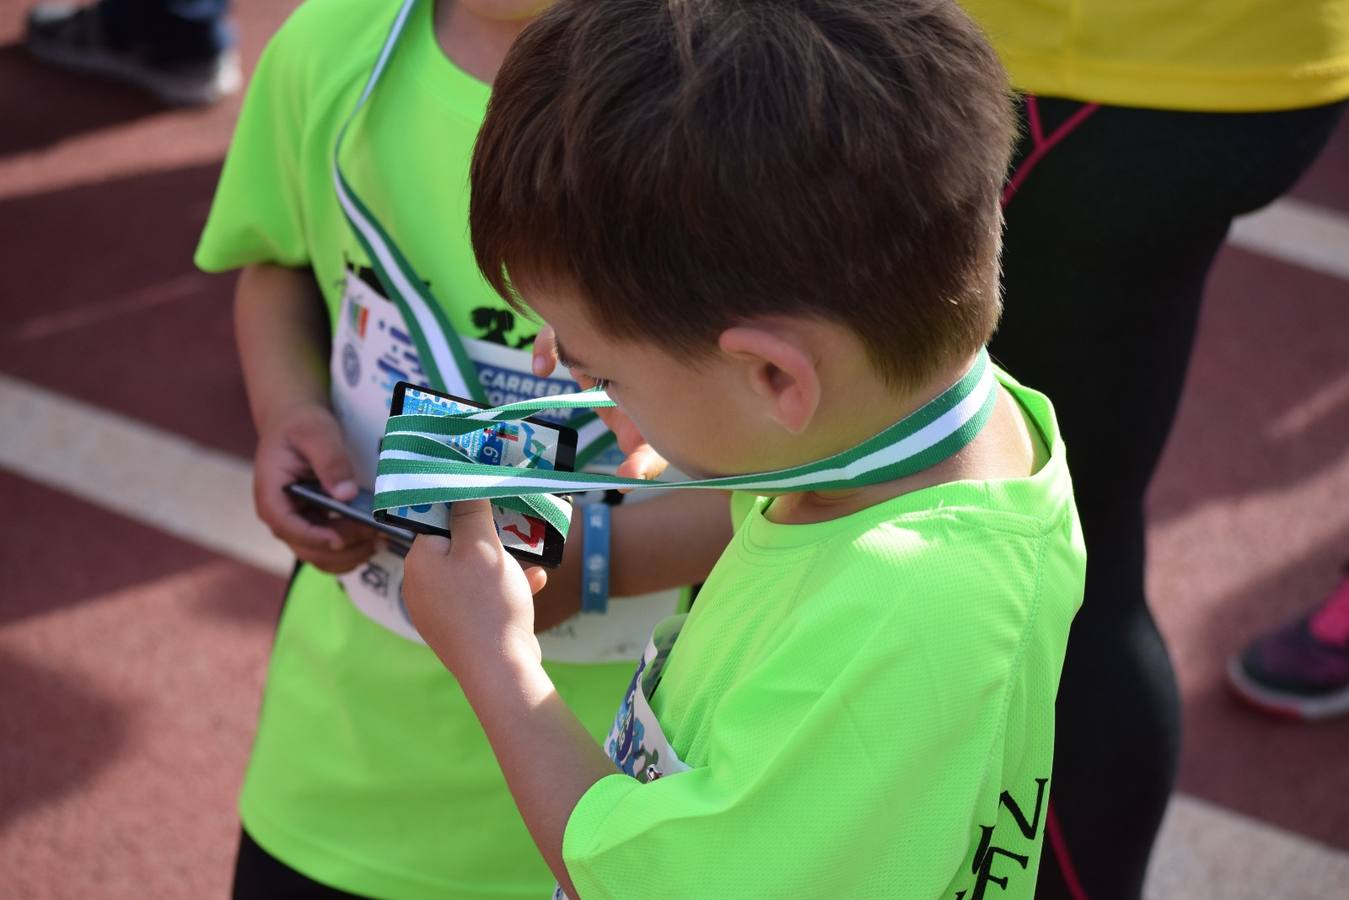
pixel 417 466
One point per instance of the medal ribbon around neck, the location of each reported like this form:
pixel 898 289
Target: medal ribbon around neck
pixel 416 466
pixel 444 360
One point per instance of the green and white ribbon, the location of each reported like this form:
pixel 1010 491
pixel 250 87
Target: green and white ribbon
pixel 439 350
pixel 417 465
pixel 441 353
pixel 422 446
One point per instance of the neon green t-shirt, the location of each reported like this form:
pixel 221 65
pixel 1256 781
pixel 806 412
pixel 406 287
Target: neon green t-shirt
pixel 860 708
pixel 370 772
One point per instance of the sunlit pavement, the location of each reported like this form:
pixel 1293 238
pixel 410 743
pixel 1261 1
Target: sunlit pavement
pixel 139 596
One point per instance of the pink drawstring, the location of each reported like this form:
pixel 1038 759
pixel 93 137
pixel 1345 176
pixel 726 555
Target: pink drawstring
pixel 1041 144
pixel 1060 847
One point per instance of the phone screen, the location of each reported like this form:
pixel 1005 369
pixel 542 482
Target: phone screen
pixel 525 444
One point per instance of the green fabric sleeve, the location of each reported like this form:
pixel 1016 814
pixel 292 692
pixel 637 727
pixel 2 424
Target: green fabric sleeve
pixel 812 776
pixel 256 214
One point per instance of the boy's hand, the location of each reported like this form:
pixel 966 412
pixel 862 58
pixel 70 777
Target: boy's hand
pixel 641 461
pixel 471 601
pixel 307 443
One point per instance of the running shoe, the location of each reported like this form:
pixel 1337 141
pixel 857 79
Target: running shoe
pixel 74 38
pixel 1301 670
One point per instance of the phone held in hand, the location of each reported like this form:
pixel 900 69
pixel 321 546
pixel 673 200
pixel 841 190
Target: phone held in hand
pixel 359 509
pixel 529 443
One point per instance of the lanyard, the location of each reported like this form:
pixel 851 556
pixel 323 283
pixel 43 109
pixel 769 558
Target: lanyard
pixel 442 355
pixel 416 465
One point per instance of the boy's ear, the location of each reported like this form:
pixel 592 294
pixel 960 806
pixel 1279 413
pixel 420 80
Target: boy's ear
pixel 780 368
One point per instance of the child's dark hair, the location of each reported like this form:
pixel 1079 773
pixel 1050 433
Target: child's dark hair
pixel 689 164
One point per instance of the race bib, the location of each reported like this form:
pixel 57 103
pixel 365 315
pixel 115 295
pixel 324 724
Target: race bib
pixel 636 742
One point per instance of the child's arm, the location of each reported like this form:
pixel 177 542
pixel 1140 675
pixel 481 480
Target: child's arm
pixel 473 605
pixel 663 543
pixel 282 331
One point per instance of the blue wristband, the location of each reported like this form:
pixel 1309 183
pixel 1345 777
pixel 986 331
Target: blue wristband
pixel 595 559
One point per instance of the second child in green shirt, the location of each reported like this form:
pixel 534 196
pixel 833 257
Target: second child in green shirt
pixel 369 773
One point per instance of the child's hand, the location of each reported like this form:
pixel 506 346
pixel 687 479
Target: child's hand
pixel 641 461
pixel 306 443
pixel 470 600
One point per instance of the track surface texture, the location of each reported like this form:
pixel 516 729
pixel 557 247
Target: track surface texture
pixel 134 636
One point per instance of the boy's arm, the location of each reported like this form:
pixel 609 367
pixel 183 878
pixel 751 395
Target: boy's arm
pixel 548 778
pixel 473 605
pixel 663 543
pixel 282 331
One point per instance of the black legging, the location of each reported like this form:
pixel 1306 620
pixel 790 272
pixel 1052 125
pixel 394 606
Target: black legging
pixel 1112 225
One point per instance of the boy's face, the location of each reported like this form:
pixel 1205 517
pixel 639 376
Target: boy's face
pixel 697 417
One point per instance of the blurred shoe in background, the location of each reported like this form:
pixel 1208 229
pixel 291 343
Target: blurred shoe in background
pixel 181 51
pixel 1301 670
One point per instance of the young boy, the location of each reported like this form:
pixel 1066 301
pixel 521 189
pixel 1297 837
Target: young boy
pixel 772 230
pixel 369 773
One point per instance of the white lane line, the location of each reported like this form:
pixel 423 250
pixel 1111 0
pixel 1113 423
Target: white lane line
pixel 1297 232
pixel 1207 851
pixel 100 309
pixel 202 495
pixel 1323 403
pixel 146 474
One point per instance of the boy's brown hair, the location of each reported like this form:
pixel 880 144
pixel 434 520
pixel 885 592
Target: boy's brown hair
pixel 689 164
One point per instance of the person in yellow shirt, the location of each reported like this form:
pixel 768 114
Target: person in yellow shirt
pixel 1235 56
pixel 1146 128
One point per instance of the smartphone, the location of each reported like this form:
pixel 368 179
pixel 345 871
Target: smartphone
pixel 360 509
pixel 528 443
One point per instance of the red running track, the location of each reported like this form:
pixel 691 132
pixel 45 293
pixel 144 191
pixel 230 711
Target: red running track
pixel 130 681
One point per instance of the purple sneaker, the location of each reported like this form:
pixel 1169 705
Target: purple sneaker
pixel 1300 671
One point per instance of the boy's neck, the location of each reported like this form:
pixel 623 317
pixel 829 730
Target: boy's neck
pixel 475 44
pixel 1007 447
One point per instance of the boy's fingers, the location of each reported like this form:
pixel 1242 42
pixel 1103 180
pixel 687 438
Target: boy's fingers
pixel 339 561
pixel 545 351
pixel 471 523
pixel 320 443
pixel 429 545
pixel 297 525
pixel 284 517
pixel 297 531
pixel 537 578
pixel 352 532
pixel 644 463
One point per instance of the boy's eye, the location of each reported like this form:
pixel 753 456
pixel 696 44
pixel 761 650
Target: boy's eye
pixel 589 381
